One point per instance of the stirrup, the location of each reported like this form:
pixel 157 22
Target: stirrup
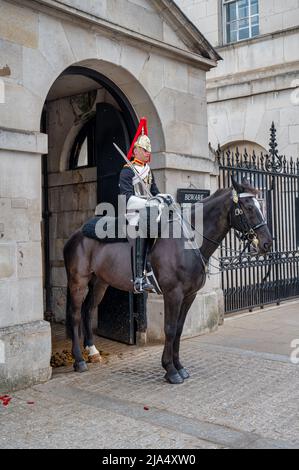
pixel 142 285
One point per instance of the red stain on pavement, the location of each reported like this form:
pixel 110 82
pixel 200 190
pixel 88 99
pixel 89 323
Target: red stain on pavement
pixel 6 399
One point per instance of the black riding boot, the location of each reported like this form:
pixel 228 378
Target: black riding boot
pixel 141 284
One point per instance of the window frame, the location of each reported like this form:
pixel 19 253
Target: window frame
pixel 225 4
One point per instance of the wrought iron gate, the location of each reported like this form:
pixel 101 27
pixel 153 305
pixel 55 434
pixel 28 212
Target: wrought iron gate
pixel 251 281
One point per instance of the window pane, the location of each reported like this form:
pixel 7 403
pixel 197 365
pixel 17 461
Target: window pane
pixel 254 7
pixel 232 32
pixel 243 3
pixel 243 12
pixel 83 159
pixel 255 20
pixel 244 33
pixel 244 23
pixel 232 36
pixel 255 31
pixel 231 12
pixel 233 26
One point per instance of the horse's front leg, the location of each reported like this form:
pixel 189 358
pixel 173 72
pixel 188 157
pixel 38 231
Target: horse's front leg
pixel 172 306
pixel 187 302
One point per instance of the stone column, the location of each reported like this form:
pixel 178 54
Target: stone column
pixel 25 338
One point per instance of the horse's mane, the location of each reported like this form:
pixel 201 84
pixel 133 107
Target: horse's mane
pixel 217 193
pixel 246 188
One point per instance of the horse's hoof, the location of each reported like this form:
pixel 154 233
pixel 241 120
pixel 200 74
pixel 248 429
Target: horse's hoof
pixel 95 359
pixel 184 373
pixel 174 378
pixel 80 366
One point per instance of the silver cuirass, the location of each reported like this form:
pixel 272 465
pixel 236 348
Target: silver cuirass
pixel 146 175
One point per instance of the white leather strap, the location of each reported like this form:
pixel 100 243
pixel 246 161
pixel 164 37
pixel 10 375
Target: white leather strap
pixel 243 195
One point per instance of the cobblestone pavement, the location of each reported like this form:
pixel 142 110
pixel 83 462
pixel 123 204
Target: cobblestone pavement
pixel 237 397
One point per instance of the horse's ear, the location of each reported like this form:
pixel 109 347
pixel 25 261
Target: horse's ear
pixel 246 181
pixel 247 187
pixel 237 186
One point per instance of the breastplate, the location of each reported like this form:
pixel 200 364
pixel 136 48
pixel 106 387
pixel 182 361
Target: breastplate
pixel 146 176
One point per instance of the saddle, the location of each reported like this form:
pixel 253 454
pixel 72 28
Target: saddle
pixel 110 230
pixel 105 229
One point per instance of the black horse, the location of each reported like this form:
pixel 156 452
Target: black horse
pixel 92 266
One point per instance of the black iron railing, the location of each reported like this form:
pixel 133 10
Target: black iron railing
pixel 248 281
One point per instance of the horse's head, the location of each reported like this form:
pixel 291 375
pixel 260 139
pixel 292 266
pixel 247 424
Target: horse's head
pixel 246 217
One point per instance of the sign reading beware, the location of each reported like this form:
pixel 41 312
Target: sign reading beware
pixel 190 196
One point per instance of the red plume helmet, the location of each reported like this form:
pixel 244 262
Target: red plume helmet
pixel 141 138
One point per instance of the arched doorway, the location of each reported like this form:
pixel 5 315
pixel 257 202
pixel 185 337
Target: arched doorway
pixel 85 112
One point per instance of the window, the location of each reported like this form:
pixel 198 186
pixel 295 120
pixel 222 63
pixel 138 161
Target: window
pixel 241 19
pixel 83 151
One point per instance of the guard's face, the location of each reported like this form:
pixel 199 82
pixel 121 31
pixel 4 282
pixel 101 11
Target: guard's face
pixel 142 154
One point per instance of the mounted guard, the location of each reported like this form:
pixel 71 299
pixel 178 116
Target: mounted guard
pixel 92 265
pixel 138 184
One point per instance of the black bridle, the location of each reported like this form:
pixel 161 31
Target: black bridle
pixel 248 232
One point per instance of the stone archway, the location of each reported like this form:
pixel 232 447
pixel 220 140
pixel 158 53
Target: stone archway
pixel 124 90
pixel 70 190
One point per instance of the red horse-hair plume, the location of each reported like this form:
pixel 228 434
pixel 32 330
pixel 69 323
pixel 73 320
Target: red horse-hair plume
pixel 142 130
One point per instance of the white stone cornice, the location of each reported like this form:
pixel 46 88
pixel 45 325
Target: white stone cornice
pixel 102 26
pixel 23 141
pixel 174 161
pixel 255 82
pixel 254 74
pixel 257 39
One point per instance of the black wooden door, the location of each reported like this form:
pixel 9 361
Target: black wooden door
pixel 116 315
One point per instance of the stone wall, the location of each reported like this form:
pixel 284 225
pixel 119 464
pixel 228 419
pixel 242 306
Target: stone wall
pixel 205 15
pixel 276 15
pixel 249 118
pixel 20 262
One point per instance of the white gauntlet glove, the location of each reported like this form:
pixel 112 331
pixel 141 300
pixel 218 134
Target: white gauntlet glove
pixel 167 198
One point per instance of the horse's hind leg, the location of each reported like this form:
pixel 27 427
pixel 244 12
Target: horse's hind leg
pixel 77 292
pixel 172 303
pixel 95 294
pixel 188 301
